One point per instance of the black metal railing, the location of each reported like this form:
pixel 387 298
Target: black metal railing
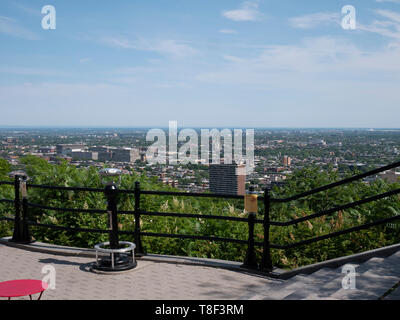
pixel 266 263
pixel 22 222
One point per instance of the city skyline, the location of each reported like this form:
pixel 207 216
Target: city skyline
pixel 237 64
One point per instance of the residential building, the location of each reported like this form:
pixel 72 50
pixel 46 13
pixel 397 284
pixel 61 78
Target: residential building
pixel 227 178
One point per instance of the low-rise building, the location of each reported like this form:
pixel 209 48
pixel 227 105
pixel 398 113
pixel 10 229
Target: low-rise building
pixel 68 148
pixel 390 176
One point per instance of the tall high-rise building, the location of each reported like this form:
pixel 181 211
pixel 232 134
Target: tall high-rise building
pixel 287 161
pixel 227 178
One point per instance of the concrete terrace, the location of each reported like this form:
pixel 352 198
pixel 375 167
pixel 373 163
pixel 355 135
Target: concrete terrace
pixel 174 278
pixel 150 280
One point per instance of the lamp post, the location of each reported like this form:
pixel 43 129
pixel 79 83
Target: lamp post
pixel 117 259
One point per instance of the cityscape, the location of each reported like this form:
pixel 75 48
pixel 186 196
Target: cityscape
pixel 277 153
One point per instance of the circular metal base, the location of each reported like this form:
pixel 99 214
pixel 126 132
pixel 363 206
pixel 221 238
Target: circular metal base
pixel 121 263
pixel 116 259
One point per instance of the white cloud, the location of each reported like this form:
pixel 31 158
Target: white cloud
pixel 317 61
pixel 170 85
pixel 247 12
pixel 31 11
pixel 84 60
pixel 228 31
pixel 314 20
pixel 381 29
pixel 391 15
pixel 392 1
pixel 388 28
pixel 168 47
pixel 320 82
pixel 11 27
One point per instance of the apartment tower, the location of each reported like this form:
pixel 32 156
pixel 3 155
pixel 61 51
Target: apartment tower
pixel 227 178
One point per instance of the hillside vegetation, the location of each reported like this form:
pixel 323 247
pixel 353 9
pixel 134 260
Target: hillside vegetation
pixel 41 172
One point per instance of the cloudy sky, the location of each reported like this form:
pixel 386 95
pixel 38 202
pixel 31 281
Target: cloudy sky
pixel 204 63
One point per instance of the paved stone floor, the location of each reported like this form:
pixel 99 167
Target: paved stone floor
pixel 149 280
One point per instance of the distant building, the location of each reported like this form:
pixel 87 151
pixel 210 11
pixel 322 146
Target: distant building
pixel 317 142
pixel 170 182
pixel 287 161
pixel 47 150
pixel 390 176
pixel 11 140
pixel 101 149
pixel 68 148
pixel 104 156
pixel 105 153
pixel 227 178
pixel 125 155
pixel 84 155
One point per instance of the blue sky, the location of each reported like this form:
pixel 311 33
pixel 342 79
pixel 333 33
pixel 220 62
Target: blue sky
pixel 204 63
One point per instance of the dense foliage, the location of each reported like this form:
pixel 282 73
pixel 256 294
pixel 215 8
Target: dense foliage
pixel 66 175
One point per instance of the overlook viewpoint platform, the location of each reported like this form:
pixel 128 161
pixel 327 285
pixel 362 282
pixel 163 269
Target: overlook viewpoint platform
pixel 158 277
pixel 180 278
pixel 155 277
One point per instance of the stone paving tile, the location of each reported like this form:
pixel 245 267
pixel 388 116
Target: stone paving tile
pixel 150 280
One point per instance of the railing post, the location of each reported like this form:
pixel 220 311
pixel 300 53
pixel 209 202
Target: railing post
pixel 17 234
pixel 266 262
pixel 250 260
pixel 138 241
pixel 21 232
pixel 111 194
pixel 26 235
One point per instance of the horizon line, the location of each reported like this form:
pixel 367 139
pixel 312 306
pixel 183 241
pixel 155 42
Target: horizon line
pixel 194 127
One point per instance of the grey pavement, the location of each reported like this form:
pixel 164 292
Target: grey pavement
pixel 167 278
pixel 148 281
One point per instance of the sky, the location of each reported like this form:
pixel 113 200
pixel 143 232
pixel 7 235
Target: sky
pixel 203 63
